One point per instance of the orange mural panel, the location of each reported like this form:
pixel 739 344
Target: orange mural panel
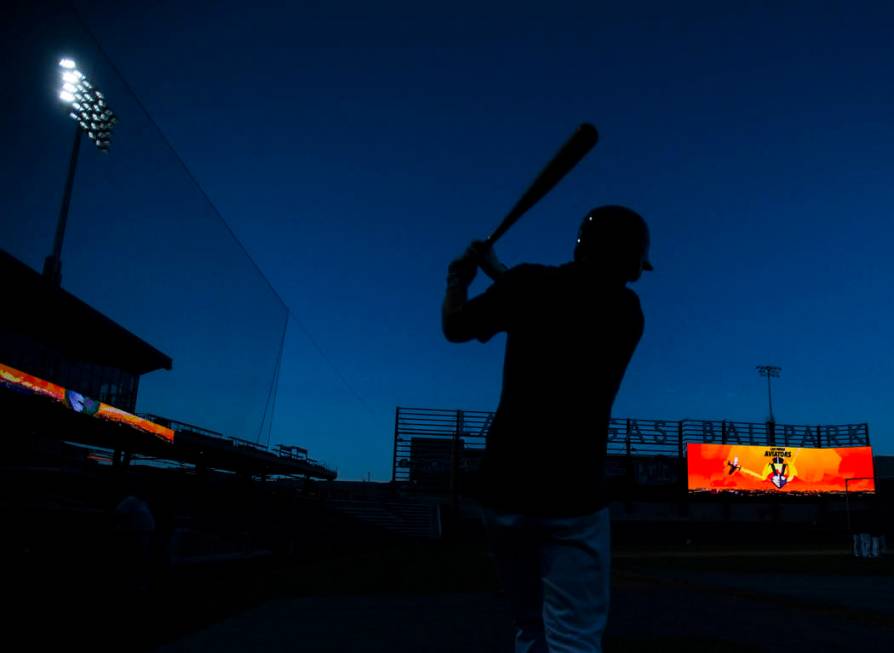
pixel 113 414
pixel 24 382
pixel 741 468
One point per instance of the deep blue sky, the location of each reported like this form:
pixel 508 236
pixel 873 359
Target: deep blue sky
pixel 356 148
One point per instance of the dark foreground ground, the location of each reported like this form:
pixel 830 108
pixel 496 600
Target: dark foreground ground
pixel 706 602
pixel 437 597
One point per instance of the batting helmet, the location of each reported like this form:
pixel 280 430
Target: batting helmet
pixel 616 233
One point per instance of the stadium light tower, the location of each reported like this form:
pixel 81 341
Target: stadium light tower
pixel 769 371
pixel 88 108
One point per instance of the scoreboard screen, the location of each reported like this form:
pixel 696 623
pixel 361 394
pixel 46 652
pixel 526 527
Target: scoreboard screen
pixel 740 468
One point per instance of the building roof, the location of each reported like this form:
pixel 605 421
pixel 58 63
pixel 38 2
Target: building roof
pixel 57 319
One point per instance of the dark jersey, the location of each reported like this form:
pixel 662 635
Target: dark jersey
pixel 570 337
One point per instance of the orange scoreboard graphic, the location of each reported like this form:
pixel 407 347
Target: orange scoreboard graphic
pixel 741 468
pixel 24 382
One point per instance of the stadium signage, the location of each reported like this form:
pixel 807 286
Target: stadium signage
pixel 800 470
pixel 660 432
pixel 23 382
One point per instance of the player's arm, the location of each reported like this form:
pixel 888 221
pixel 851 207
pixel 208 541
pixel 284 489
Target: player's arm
pixel 454 327
pixel 460 274
pixel 462 320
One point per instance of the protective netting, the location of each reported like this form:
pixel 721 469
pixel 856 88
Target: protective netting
pixel 144 245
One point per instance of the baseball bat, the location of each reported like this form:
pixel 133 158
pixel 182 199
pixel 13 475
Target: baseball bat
pixel 582 141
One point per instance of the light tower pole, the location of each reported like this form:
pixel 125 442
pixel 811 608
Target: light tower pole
pixel 94 118
pixel 769 371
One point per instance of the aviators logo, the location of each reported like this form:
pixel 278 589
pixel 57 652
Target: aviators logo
pixel 778 471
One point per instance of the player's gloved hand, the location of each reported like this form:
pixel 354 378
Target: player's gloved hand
pixel 487 259
pixel 461 271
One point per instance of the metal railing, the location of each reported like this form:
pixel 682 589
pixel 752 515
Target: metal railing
pixel 433 446
pixel 288 452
